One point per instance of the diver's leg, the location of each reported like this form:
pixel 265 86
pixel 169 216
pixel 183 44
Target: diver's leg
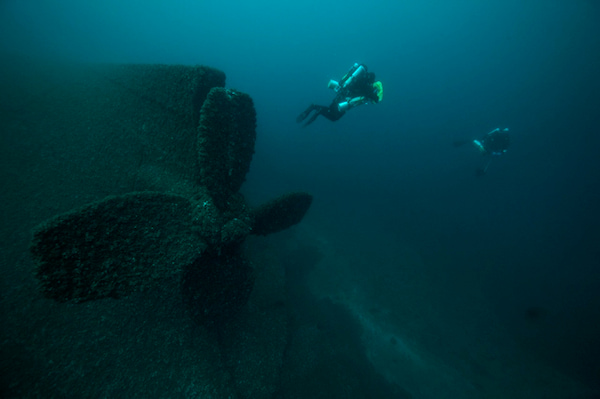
pixel 332 112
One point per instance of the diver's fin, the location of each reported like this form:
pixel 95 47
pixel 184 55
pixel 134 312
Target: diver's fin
pixel 311 119
pixel 280 213
pixel 304 114
pixel 480 172
pixel 115 246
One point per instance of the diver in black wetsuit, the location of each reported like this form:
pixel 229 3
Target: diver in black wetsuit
pixel 493 144
pixel 333 112
pixel 357 87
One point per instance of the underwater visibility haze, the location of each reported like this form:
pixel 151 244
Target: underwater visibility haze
pixel 361 258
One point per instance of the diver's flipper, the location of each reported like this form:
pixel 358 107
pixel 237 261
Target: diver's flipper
pixel 226 137
pixel 483 170
pixel 312 118
pixel 115 246
pixel 280 213
pixel 304 114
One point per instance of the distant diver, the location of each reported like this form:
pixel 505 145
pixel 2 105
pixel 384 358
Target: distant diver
pixel 357 87
pixel 491 145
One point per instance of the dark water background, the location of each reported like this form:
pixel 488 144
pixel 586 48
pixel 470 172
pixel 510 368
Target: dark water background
pixel 388 174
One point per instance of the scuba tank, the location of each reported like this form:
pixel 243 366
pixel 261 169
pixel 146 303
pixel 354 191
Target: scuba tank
pixel 352 73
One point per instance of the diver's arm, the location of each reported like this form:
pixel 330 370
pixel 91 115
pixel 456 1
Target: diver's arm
pixel 352 102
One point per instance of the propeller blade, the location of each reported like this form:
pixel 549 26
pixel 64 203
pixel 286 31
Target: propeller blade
pixel 115 246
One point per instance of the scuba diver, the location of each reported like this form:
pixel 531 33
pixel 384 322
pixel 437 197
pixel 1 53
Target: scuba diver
pixel 495 142
pixel 357 87
pixel 491 145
